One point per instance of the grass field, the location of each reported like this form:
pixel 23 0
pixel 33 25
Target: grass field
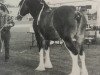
pixel 24 60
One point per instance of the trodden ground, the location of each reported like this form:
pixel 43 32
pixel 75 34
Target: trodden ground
pixel 24 60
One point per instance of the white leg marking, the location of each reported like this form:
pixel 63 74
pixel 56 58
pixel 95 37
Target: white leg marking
pixel 2 46
pixel 48 63
pixel 75 66
pixel 41 66
pixel 84 69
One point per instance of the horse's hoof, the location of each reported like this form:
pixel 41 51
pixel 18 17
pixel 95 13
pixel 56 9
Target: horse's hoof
pixel 48 65
pixel 84 72
pixel 40 68
pixel 75 73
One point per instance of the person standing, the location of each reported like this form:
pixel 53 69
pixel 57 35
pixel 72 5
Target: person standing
pixel 6 24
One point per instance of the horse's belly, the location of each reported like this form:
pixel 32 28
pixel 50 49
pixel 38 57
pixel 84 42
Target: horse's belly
pixel 51 34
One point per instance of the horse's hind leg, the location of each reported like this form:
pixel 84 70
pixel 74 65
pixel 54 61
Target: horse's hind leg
pixel 82 56
pixel 83 69
pixel 48 63
pixel 74 55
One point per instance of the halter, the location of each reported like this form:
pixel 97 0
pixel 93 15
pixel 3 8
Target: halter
pixel 20 15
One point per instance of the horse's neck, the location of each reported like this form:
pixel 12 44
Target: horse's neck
pixel 45 8
pixel 37 13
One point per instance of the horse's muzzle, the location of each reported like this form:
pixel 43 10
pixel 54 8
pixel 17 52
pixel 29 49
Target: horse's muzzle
pixel 19 18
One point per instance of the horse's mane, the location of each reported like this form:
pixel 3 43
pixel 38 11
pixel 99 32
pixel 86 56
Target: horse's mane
pixel 20 3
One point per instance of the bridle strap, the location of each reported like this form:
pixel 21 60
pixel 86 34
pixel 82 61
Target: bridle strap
pixel 20 15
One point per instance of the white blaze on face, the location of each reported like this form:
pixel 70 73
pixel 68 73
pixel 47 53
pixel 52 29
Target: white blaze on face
pixel 41 66
pixel 48 63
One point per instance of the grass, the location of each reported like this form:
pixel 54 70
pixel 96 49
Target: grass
pixel 24 63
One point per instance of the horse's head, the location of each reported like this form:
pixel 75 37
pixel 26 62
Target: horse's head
pixel 23 9
pixel 29 6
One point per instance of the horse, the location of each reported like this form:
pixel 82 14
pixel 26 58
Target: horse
pixel 63 23
pixel 6 23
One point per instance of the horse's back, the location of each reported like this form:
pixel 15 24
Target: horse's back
pixel 64 20
pixel 59 21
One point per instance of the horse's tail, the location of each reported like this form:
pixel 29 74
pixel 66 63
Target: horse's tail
pixel 78 16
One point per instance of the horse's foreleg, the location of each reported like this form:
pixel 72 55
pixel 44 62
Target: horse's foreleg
pixel 48 63
pixel 82 57
pixel 39 40
pixel 74 55
pixel 41 66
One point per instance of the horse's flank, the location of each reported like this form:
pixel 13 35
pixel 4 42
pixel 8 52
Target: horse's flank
pixel 54 21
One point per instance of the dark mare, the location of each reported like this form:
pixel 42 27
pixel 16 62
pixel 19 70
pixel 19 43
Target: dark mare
pixel 60 23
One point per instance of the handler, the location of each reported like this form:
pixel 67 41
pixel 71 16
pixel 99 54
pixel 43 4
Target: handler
pixel 5 30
